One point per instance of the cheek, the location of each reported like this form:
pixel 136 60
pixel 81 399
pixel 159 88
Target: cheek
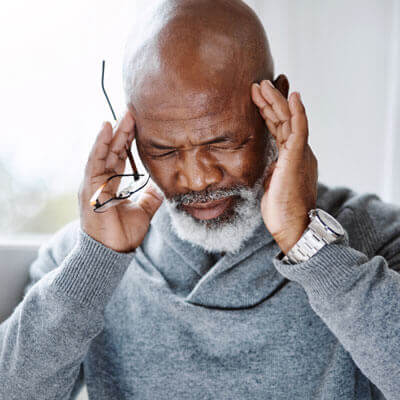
pixel 247 165
pixel 162 173
pixel 237 165
pixel 151 167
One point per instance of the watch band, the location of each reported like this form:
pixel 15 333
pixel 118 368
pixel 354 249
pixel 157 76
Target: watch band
pixel 305 247
pixel 321 230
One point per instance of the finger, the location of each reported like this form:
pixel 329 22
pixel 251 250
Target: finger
pixel 299 121
pixel 281 109
pixel 275 98
pixel 131 137
pixel 97 158
pixel 117 154
pixel 268 113
pixel 257 96
pixel 272 128
pixel 122 136
pixel 265 109
pixel 150 200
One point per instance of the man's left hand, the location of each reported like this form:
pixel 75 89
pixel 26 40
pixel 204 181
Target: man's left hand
pixel 291 186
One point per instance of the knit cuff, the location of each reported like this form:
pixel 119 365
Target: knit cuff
pixel 91 272
pixel 327 272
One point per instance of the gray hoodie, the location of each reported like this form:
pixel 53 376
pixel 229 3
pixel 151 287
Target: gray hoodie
pixel 170 321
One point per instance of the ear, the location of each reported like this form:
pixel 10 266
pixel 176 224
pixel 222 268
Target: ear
pixel 282 84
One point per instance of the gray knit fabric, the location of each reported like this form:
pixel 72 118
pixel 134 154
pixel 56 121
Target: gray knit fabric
pixel 169 321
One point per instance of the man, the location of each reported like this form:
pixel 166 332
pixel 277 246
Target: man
pixel 224 279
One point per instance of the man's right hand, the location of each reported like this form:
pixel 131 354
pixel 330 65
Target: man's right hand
pixel 124 226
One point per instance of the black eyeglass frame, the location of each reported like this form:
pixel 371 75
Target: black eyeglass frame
pixel 97 205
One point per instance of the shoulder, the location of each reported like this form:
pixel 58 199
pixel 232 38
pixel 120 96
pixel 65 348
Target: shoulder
pixel 372 224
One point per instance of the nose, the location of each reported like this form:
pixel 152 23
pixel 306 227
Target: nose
pixel 198 170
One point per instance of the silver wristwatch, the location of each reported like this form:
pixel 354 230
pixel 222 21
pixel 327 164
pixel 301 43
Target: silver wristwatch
pixel 321 230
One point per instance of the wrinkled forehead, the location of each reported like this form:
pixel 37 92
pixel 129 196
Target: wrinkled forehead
pixel 195 90
pixel 232 122
pixel 192 104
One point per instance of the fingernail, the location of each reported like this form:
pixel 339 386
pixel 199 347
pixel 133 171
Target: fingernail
pixel 103 125
pixel 126 120
pixel 298 96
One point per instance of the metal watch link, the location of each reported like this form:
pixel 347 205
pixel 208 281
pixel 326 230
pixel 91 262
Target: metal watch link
pixel 321 230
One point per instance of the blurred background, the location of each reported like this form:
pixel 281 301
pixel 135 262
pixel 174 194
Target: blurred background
pixel 342 55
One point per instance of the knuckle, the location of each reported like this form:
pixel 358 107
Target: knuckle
pixel 147 208
pixel 147 203
pixel 264 112
pixel 120 155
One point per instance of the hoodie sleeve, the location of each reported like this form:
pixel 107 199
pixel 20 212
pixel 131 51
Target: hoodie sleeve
pixel 357 293
pixel 44 341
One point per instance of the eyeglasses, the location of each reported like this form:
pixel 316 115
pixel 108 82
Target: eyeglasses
pixel 130 183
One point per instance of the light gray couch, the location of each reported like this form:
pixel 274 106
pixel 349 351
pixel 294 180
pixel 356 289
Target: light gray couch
pixel 15 259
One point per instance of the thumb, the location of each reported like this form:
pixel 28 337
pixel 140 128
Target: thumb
pixel 150 200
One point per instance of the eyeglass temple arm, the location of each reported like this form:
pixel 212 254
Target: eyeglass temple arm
pixel 104 91
pixel 128 151
pixel 132 162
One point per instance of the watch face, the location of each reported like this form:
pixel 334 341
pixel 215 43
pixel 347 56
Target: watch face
pixel 330 222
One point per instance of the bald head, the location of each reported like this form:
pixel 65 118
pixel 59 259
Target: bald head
pixel 193 58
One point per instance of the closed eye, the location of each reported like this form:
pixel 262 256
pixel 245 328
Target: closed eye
pixel 220 144
pixel 230 146
pixel 222 147
pixel 161 155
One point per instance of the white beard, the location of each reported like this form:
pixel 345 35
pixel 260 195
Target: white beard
pixel 223 235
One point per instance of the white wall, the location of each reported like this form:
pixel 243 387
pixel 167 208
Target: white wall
pixel 392 166
pixel 341 56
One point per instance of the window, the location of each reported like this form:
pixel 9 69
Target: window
pixel 52 104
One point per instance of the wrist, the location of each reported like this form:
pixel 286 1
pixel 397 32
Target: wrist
pixel 322 229
pixel 290 236
pixel 109 240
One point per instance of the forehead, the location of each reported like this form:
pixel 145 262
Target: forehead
pixel 170 97
pixel 235 118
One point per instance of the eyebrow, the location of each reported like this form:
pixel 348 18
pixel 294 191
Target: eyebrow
pixel 218 139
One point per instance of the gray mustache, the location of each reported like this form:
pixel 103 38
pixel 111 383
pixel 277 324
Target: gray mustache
pixel 205 196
